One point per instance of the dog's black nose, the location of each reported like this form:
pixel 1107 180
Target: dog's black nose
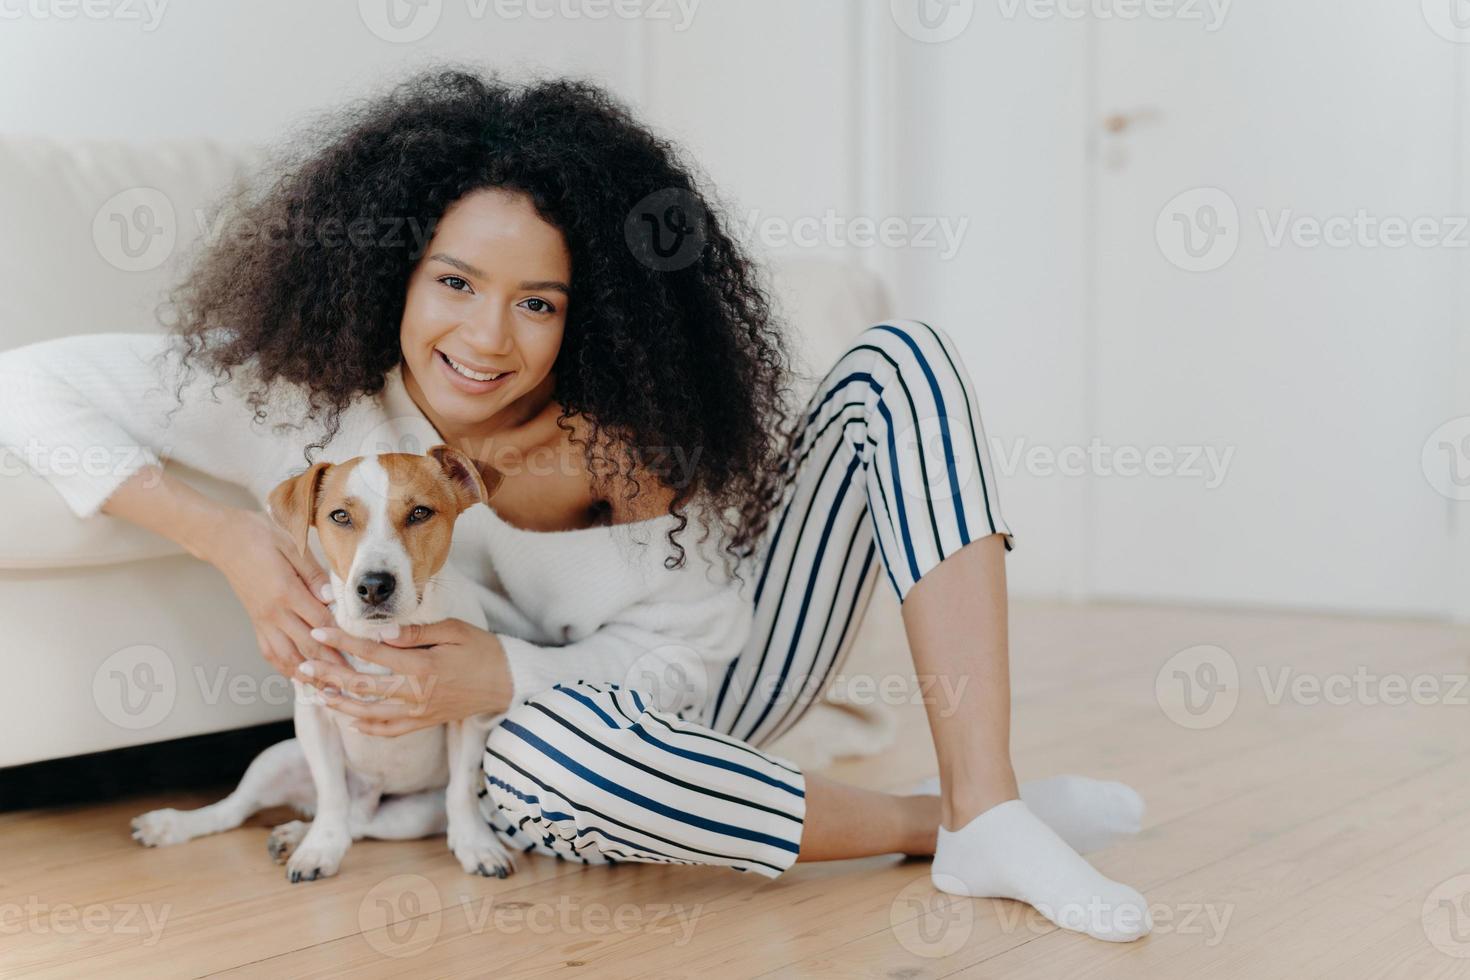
pixel 374 588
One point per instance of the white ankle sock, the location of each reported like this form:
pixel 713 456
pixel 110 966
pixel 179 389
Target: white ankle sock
pixel 1089 814
pixel 1008 852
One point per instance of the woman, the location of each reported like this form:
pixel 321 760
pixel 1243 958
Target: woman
pixel 513 267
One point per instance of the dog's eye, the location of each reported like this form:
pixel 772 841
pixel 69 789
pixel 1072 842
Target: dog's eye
pixel 419 514
pixel 341 517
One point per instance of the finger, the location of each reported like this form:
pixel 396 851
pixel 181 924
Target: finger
pixel 398 661
pixel 312 611
pixel 316 579
pixel 429 634
pixel 357 684
pixel 372 710
pixel 313 651
pixel 269 655
pixel 284 651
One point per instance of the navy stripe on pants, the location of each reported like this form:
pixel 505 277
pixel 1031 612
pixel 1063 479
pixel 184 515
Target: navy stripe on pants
pixel 891 471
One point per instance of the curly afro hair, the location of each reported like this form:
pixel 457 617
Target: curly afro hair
pixel 676 351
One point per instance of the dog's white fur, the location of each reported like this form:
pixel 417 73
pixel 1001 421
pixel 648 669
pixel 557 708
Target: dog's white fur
pixel 431 777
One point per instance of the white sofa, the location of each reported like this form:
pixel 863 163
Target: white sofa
pixel 112 636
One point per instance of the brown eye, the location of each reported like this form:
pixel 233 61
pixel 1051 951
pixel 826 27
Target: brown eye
pixel 340 517
pixel 419 514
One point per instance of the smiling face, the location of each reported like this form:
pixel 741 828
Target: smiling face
pixel 484 314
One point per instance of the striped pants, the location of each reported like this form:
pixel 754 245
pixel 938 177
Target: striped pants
pixel 892 470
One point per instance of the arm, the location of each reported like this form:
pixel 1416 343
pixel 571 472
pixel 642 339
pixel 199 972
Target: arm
pixel 91 414
pixel 676 652
pixel 88 412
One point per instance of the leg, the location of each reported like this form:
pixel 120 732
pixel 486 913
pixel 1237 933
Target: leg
pixel 471 840
pixel 277 777
pixel 590 773
pixel 395 818
pixel 320 853
pixel 897 417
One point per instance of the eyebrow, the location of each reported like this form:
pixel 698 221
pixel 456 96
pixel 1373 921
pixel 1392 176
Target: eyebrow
pixel 556 284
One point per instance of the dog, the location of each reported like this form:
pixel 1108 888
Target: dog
pixel 385 523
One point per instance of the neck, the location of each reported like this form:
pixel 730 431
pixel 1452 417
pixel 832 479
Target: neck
pixel 499 428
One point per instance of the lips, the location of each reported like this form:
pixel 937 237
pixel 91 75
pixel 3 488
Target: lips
pixel 468 370
pixel 469 379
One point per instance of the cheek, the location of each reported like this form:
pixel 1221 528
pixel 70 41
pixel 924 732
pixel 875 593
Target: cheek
pixel 423 319
pixel 338 546
pixel 427 551
pixel 542 346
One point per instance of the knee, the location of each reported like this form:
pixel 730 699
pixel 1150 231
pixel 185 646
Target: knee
pixel 917 352
pixel 531 759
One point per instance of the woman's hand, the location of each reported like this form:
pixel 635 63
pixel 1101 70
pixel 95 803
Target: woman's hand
pixel 456 670
pixel 282 590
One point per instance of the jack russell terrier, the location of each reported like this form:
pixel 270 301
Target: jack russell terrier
pixel 385 524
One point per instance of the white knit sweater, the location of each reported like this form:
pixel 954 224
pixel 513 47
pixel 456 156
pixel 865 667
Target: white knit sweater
pixel 597 604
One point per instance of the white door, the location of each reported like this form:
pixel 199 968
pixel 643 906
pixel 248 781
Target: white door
pixel 1276 264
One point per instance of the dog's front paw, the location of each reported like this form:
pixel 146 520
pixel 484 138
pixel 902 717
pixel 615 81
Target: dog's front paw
pixel 319 855
pixel 158 827
pixel 481 853
pixel 283 839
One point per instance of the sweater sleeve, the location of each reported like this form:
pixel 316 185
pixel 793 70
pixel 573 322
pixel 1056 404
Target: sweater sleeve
pixel 674 648
pixel 86 412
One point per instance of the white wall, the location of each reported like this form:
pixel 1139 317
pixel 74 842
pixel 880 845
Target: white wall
pixel 803 113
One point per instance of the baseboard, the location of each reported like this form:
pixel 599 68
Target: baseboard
pixel 216 759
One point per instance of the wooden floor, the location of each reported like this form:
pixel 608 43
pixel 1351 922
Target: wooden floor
pixel 1288 839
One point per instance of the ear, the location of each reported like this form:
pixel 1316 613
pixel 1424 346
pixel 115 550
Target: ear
pixel 292 504
pixel 474 482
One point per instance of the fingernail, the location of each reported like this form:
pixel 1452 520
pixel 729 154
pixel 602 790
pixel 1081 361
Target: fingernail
pixel 325 592
pixel 331 692
pixel 307 667
pixel 319 634
pixel 390 632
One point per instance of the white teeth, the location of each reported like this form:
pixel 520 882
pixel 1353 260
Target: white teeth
pixel 472 375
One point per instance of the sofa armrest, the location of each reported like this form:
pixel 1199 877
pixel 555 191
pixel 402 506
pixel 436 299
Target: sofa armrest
pixel 37 530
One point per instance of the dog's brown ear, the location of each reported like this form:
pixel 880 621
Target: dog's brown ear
pixel 474 482
pixel 292 504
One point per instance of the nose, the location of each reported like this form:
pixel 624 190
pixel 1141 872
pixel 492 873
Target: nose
pixel 374 588
pixel 490 334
